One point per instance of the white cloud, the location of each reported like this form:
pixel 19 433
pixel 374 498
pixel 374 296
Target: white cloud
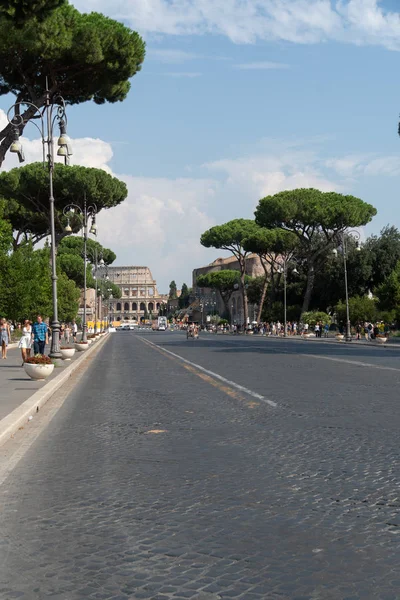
pixel 88 152
pixel 246 21
pixel 261 65
pixel 161 221
pixel 358 165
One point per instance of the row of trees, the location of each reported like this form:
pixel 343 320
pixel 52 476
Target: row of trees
pixel 50 45
pixel 24 221
pixel 294 234
pixel 83 57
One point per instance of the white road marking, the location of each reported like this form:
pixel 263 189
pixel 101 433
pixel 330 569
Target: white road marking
pixel 215 375
pixel 350 362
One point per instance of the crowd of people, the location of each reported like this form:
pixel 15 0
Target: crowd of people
pixel 34 335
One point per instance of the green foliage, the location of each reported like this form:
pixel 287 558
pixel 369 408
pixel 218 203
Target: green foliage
pixel 85 56
pixel 223 281
pixel 268 243
pixel 172 290
pixel 307 211
pixel 107 289
pixel 317 219
pixel 68 298
pixel 229 236
pixel 316 316
pixel 380 255
pixel 389 292
pixel 255 289
pixel 26 192
pixel 184 298
pixel 362 308
pixel 28 279
pixel 18 12
pixel 70 259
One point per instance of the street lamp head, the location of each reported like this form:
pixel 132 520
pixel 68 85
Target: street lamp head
pixel 93 228
pixel 68 228
pixel 334 252
pixel 101 262
pixel 64 141
pixel 358 247
pixel 16 146
pixel 295 271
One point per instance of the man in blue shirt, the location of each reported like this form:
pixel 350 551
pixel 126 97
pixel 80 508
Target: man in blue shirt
pixel 40 335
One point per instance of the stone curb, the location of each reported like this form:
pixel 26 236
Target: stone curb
pixel 333 341
pixel 19 416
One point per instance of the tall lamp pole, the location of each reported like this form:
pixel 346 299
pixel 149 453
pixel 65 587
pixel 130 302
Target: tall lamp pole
pixel 355 234
pixel 88 212
pixel 283 269
pixel 53 112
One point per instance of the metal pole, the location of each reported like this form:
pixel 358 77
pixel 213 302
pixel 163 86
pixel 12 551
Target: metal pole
pixel 84 324
pixel 348 325
pixel 95 278
pixel 55 325
pixel 284 301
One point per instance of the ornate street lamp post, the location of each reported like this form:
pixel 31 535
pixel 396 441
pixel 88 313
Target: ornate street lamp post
pixel 355 234
pixel 88 212
pixel 99 265
pixel 53 112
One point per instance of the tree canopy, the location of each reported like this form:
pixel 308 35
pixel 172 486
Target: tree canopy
pixel 222 281
pixel 70 259
pixel 26 192
pixel 84 56
pixel 20 11
pixel 172 290
pixel 231 236
pixel 317 219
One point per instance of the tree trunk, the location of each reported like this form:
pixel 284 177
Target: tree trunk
pixel 309 288
pixel 262 300
pixel 244 292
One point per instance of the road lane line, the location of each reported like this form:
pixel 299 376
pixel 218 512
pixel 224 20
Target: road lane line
pixel 212 374
pixel 350 362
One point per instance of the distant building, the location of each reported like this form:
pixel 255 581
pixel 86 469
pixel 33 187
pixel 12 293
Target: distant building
pixel 139 294
pixel 210 301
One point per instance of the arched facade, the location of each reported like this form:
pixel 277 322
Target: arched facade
pixel 139 294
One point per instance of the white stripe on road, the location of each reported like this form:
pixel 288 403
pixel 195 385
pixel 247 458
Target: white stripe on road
pixel 212 374
pixel 350 362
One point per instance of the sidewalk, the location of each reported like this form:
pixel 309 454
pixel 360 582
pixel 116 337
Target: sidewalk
pixel 16 387
pixel 332 340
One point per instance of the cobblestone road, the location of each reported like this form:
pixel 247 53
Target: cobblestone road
pixel 156 481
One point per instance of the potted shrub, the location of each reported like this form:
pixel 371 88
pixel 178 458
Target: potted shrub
pixel 67 352
pixel 39 366
pixel 81 346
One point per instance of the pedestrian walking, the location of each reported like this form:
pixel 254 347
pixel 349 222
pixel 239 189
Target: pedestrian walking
pixel 5 337
pixel 316 330
pixel 326 330
pixel 25 341
pixel 74 330
pixel 358 331
pixel 67 333
pixel 40 335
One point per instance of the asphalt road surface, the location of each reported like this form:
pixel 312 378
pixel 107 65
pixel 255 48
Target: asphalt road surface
pixel 251 469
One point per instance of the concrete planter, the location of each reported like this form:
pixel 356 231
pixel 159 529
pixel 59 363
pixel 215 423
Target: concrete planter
pixel 81 347
pixel 381 340
pixel 67 353
pixel 340 337
pixel 38 372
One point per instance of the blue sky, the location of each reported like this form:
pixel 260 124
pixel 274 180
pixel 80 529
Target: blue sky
pixel 238 99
